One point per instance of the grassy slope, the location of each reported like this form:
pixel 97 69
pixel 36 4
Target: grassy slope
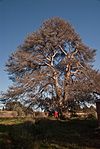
pixel 49 134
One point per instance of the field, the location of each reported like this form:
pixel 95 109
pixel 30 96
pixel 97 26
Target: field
pixel 49 134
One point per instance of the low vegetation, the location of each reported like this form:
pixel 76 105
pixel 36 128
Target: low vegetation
pixel 49 134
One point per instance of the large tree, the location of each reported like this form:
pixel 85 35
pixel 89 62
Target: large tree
pixel 51 68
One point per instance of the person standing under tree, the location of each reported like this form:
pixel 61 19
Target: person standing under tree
pixel 56 114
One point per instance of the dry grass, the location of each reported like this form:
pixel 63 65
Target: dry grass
pixel 49 134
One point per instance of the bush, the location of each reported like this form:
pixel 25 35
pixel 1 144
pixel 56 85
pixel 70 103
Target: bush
pixel 91 116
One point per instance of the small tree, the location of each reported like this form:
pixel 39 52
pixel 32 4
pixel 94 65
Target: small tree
pixel 15 106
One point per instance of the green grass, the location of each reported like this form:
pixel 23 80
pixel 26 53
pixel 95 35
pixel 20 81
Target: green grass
pixel 49 134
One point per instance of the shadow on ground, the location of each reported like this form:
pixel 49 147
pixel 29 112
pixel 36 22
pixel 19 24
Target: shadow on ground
pixel 50 134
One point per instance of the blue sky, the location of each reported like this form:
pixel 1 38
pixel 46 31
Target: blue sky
pixel 18 18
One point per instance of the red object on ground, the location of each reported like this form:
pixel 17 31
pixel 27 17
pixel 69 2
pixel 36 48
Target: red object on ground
pixel 56 114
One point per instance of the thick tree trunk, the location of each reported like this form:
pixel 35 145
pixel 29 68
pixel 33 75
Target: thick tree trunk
pixel 67 82
pixel 58 89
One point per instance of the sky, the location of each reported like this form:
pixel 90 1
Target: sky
pixel 18 18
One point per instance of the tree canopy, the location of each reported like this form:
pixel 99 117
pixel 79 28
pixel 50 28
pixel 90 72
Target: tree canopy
pixel 52 67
